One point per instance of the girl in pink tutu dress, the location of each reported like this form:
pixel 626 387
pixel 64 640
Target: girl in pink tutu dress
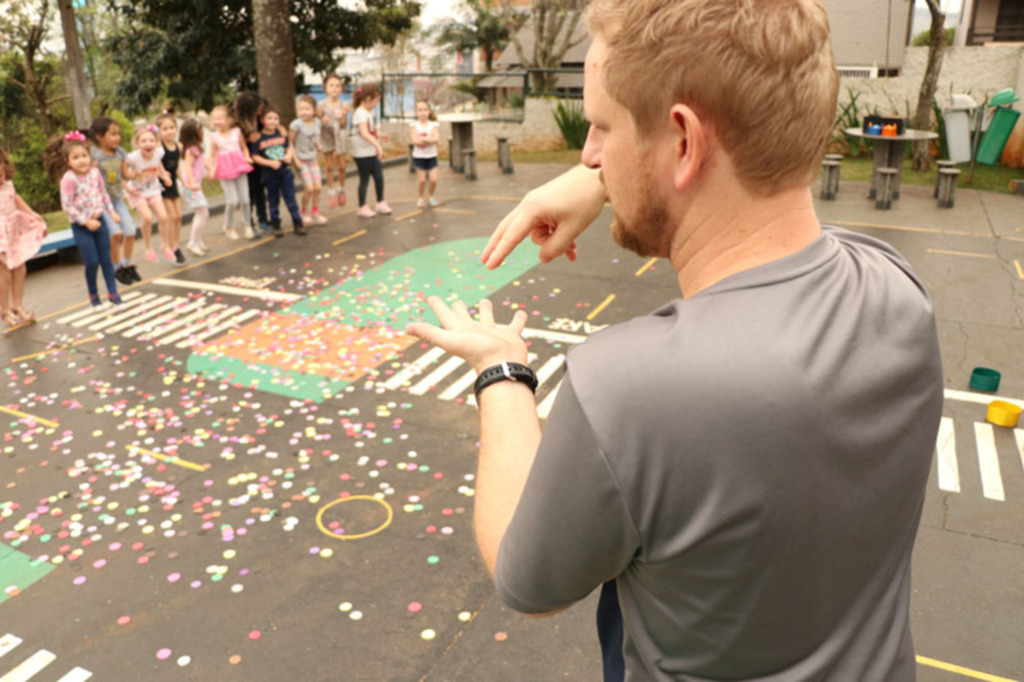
pixel 231 165
pixel 21 234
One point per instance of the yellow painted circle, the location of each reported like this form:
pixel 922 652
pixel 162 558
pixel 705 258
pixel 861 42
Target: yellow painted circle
pixel 359 536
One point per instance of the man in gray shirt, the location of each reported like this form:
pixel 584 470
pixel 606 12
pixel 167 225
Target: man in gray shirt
pixel 743 469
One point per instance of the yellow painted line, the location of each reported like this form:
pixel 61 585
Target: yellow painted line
pixel 1020 272
pixel 43 353
pixel 904 228
pixel 647 266
pixel 960 670
pixel 170 459
pixel 411 214
pixel 959 253
pixel 454 210
pixel 596 311
pixel 360 233
pixel 44 422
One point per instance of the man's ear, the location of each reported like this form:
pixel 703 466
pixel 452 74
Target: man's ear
pixel 690 138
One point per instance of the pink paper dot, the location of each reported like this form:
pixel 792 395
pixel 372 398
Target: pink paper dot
pixel 254 635
pixel 174 577
pixel 163 654
pixel 415 607
pixel 124 620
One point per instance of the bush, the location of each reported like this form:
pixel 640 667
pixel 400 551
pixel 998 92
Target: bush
pixel 574 126
pixel 923 38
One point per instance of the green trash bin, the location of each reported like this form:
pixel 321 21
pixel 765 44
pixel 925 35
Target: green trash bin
pixel 1003 121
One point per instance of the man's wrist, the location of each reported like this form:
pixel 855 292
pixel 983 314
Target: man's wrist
pixel 505 371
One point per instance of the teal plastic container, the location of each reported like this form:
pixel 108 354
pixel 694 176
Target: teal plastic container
pixel 996 136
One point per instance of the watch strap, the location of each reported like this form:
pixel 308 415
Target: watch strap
pixel 506 371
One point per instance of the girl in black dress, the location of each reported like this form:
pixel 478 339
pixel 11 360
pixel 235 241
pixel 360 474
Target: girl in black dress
pixel 171 160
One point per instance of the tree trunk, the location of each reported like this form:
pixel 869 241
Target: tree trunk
pixel 275 56
pixel 923 116
pixel 73 61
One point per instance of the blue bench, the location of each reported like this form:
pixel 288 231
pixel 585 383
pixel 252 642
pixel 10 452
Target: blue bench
pixel 56 241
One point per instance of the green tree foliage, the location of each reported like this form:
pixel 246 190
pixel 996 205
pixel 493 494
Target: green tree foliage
pixel 487 27
pixel 201 52
pixel 924 37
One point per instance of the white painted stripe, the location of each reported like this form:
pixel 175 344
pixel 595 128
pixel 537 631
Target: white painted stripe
pixel 163 319
pixel 109 312
pixel 559 337
pixel 233 322
pixel 435 377
pixel 544 409
pixel 30 666
pixel 988 460
pixel 149 313
pixel 121 315
pixel 945 449
pixel 549 368
pixel 413 369
pixel 182 321
pixel 1019 435
pixel 460 386
pixel 979 398
pixel 200 325
pixel 8 642
pixel 235 291
pixel 89 311
pixel 76 675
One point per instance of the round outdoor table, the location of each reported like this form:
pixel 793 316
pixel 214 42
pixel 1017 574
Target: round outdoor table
pixel 462 137
pixel 889 153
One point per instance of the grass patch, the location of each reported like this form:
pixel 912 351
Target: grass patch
pixel 986 178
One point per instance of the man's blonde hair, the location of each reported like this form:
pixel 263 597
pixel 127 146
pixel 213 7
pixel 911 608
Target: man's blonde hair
pixel 760 71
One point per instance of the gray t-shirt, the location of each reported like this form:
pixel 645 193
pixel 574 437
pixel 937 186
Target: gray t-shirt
pixel 749 466
pixel 362 149
pixel 110 169
pixel 306 137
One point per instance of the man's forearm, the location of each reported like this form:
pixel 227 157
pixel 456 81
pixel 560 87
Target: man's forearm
pixel 509 437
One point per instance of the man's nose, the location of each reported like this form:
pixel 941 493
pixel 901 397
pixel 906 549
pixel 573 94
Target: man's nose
pixel 591 156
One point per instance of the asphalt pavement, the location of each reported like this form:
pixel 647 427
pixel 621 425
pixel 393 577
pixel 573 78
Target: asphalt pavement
pixel 249 472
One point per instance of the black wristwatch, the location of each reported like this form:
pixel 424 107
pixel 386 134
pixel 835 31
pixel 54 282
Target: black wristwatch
pixel 506 371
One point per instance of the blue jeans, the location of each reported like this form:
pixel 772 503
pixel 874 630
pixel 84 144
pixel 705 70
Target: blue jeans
pixel 95 250
pixel 280 184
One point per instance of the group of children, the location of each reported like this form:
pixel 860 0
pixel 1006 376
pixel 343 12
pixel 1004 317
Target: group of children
pixel 99 181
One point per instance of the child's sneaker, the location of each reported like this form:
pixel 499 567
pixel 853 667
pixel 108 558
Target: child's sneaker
pixel 432 201
pixel 342 200
pixel 249 233
pixel 133 273
pixel 421 203
pixel 331 202
pixel 115 298
pixel 365 212
pixel 230 232
pixel 179 257
pixel 169 255
pixel 94 301
pixel 122 276
pixel 382 207
pixel 317 218
pixel 196 250
pixel 151 255
pixel 306 218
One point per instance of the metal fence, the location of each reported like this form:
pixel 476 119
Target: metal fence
pixel 498 96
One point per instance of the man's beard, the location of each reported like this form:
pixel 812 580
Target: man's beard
pixel 646 234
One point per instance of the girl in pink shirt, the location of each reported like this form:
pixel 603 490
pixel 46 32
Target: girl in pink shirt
pixel 83 196
pixel 21 233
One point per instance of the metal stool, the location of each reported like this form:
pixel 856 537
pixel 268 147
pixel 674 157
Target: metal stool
pixel 829 179
pixel 947 186
pixel 470 163
pixel 938 175
pixel 504 156
pixel 886 186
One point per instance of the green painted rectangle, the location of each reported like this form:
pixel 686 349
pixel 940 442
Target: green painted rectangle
pixel 19 570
